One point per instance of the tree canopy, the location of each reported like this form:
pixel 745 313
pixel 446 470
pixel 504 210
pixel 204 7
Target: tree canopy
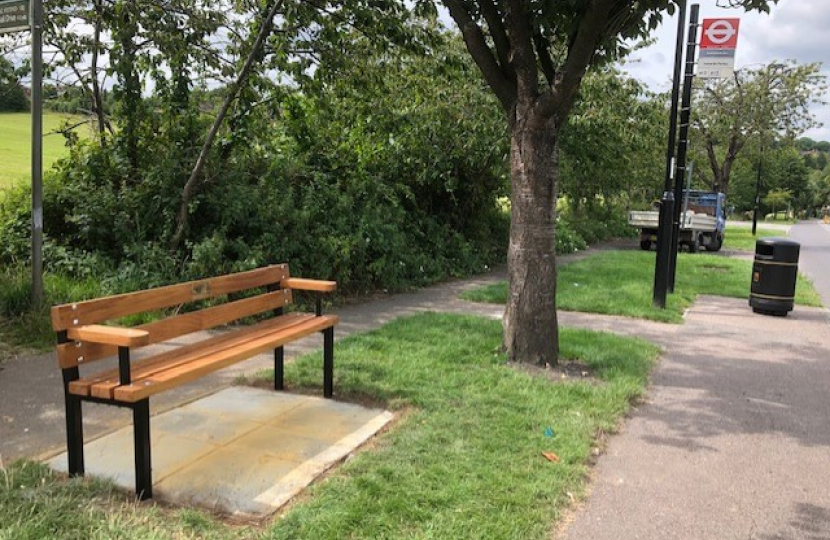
pixel 757 106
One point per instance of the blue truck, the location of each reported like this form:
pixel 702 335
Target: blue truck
pixel 702 222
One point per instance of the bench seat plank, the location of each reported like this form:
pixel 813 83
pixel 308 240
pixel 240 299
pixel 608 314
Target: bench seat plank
pixel 213 360
pixel 102 384
pixel 187 363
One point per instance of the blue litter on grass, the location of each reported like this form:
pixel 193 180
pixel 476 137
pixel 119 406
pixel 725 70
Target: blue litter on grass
pixel 549 432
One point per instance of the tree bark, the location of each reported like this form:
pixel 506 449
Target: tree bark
pixel 531 333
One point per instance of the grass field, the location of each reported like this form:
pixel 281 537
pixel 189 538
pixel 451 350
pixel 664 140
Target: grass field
pixel 741 239
pixel 464 460
pixel 16 144
pixel 621 283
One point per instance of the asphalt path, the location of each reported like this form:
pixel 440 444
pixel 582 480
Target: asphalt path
pixel 733 440
pixel 814 260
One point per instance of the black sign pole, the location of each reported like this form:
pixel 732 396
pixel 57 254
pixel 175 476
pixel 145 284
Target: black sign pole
pixel 683 143
pixel 661 264
pixel 37 153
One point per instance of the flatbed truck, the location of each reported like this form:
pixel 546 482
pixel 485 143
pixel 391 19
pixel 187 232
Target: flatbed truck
pixel 702 222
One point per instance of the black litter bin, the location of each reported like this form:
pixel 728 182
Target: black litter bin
pixel 773 276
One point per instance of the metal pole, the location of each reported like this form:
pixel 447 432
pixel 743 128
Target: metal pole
pixel 37 153
pixel 661 262
pixel 675 94
pixel 683 142
pixel 661 277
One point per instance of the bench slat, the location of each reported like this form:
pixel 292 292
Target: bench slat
pixel 75 353
pixel 217 359
pixel 104 383
pixel 183 355
pixel 66 316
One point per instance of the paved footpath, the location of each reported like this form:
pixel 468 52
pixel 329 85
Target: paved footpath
pixel 733 441
pixel 31 392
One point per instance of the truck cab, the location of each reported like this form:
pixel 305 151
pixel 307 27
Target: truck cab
pixel 711 204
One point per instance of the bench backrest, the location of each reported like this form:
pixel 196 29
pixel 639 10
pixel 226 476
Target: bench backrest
pixel 100 310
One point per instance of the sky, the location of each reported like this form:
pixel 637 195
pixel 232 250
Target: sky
pixel 793 30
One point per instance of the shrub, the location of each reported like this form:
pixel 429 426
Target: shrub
pixel 567 239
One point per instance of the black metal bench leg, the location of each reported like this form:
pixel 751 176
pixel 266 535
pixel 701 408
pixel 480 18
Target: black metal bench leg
pixel 279 368
pixel 74 435
pixel 328 362
pixel 141 435
pixel 74 422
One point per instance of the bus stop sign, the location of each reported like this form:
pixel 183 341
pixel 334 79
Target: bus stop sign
pixel 717 48
pixel 15 16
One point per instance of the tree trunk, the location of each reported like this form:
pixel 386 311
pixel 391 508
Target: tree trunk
pixel 125 68
pixel 531 334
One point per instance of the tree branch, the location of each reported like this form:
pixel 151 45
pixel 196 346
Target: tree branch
pixel 545 60
pixel 559 98
pixel 710 152
pixel 97 99
pixel 523 55
pixel 502 86
pixel 233 92
pixel 500 38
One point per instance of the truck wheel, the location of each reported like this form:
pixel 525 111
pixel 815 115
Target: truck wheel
pixel 645 245
pixel 693 245
pixel 716 244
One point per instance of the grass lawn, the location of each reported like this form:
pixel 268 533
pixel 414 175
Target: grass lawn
pixel 741 239
pixel 16 144
pixel 463 461
pixel 621 283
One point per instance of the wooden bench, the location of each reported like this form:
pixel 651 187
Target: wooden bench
pixel 83 339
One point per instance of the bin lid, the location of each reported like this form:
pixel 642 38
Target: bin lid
pixel 777 241
pixel 781 249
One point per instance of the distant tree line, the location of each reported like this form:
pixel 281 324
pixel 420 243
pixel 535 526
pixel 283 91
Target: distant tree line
pixel 815 152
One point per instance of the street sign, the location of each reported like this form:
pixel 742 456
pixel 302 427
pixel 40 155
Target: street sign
pixel 719 34
pixel 717 48
pixel 14 16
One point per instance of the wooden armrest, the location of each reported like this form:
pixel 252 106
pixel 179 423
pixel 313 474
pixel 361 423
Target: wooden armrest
pixel 110 335
pixel 308 284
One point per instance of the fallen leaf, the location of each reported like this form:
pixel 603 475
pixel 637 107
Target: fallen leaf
pixel 550 456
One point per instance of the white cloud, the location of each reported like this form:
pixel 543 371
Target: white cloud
pixel 795 29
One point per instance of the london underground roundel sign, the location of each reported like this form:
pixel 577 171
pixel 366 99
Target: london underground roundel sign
pixel 720 34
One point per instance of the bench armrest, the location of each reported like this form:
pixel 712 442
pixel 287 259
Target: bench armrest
pixel 109 335
pixel 309 284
